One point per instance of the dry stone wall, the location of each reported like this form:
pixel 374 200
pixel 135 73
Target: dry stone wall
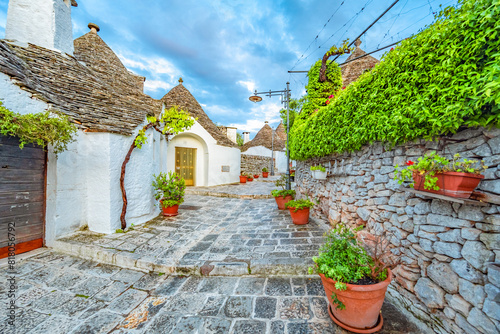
pixel 449 280
pixel 253 164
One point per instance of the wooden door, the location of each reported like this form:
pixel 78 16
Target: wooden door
pixel 185 162
pixel 22 196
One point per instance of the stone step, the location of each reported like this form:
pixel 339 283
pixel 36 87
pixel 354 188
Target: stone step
pixel 234 267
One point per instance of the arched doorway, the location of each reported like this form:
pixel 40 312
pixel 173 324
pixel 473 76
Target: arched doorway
pixel 187 154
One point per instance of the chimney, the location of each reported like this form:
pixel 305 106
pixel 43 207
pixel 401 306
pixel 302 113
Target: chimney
pixel 246 137
pixel 46 23
pixel 231 133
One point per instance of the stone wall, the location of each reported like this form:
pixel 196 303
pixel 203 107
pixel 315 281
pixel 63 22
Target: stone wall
pixel 253 164
pixel 450 277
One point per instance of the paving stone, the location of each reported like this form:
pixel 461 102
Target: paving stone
pixel 149 281
pixel 212 306
pixel 127 276
pixel 127 301
pixel 91 286
pixel 170 286
pixel 188 325
pixel 220 285
pixel 277 327
pixel 319 306
pixel 29 296
pixel 265 307
pixel 51 301
pixel 93 309
pixel 277 286
pixel 191 284
pixel 294 308
pixel 249 327
pixel 297 328
pixel 68 279
pixel 75 306
pixel 163 323
pixel 250 286
pixel 186 303
pixel 112 291
pixel 55 324
pixel 315 287
pixel 238 307
pixel 216 326
pixel 101 322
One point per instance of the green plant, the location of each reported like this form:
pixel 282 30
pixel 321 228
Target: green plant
pixel 239 139
pixel 431 164
pixel 169 189
pixel 318 167
pixel 444 78
pixel 119 230
pixel 283 192
pixel 46 128
pixel 343 259
pixel 299 204
pixel 264 170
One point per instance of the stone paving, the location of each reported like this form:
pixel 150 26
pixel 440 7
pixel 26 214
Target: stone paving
pixel 210 236
pixel 258 188
pixel 57 293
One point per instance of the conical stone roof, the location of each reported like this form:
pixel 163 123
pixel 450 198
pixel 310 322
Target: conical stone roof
pixel 180 96
pixel 352 70
pixel 265 138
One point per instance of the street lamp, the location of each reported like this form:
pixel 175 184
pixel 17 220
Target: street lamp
pixel 285 98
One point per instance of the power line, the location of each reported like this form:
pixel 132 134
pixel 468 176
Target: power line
pixel 395 19
pixel 378 18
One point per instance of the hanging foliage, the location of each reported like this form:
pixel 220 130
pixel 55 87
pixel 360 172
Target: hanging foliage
pixel 444 78
pixel 171 122
pixel 46 128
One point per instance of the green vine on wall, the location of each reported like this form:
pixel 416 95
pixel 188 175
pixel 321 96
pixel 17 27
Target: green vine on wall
pixel 46 128
pixel 444 78
pixel 171 122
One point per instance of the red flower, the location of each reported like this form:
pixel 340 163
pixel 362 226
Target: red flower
pixel 409 163
pixel 343 87
pixel 327 102
pixel 391 49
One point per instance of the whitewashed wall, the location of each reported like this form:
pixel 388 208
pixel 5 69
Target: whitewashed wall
pixel 279 156
pixel 210 157
pixel 83 182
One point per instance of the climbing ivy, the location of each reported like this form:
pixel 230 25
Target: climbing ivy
pixel 46 128
pixel 444 78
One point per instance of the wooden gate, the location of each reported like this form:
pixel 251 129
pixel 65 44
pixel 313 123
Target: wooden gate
pixel 22 196
pixel 185 161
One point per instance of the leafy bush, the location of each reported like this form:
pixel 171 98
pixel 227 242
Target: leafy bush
pixel 318 167
pixel 343 259
pixel 169 189
pixel 299 204
pixel 444 78
pixel 284 193
pixel 46 128
pixel 264 170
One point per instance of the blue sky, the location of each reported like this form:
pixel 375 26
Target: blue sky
pixel 225 49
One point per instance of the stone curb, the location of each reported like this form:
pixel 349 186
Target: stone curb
pixel 226 195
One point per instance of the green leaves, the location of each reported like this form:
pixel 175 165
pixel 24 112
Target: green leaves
pixel 169 189
pixel 46 128
pixel 444 78
pixel 299 204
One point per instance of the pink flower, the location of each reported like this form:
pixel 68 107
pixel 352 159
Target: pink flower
pixel 331 96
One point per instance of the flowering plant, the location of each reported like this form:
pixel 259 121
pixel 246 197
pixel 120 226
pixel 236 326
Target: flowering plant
pixel 169 189
pixel 431 164
pixel 318 167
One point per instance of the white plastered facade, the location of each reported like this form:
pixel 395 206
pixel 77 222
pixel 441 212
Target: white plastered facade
pixel 210 157
pixel 83 186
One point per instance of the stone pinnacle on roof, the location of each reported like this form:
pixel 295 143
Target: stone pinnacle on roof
pixel 180 80
pixel 357 43
pixel 94 28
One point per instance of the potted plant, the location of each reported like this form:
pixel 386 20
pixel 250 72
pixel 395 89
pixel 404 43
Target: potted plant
pixel 292 177
pixel 265 173
pixel 355 282
pixel 249 178
pixel 243 178
pixel 319 172
pixel 282 196
pixel 436 174
pixel 256 176
pixel 299 210
pixel 169 190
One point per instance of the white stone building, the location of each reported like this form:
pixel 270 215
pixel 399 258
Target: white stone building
pixel 41 69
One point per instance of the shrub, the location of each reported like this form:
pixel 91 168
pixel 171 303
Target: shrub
pixel 169 189
pixel 299 204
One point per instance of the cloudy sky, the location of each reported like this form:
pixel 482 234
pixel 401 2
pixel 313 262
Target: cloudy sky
pixel 224 49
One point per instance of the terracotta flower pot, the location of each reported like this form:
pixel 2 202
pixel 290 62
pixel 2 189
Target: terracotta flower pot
pixel 453 184
pixel 281 201
pixel 265 174
pixel 362 304
pixel 170 210
pixel 249 179
pixel 243 179
pixel 256 176
pixel 300 217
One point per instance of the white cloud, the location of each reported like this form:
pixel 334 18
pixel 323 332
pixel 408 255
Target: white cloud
pixel 250 85
pixel 259 113
pixel 154 85
pixel 154 65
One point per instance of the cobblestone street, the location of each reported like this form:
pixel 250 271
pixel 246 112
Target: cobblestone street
pixel 223 265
